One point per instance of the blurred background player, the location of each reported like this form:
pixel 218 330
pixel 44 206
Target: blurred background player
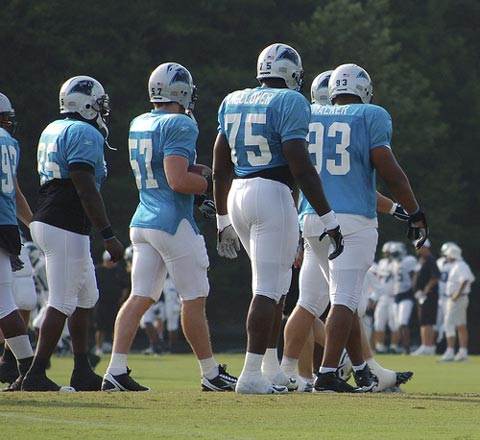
pixel 426 293
pixel 71 167
pixel 12 205
pixel 384 315
pixel 163 232
pixel 260 155
pixel 403 269
pixel 444 265
pixel 460 279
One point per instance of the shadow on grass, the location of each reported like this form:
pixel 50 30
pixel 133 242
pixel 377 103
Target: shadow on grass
pixel 62 403
pixel 453 397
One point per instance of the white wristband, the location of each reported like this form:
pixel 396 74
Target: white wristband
pixel 393 208
pixel 223 221
pixel 329 220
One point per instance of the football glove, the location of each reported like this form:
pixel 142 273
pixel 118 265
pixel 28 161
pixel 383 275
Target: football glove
pixel 336 238
pixel 206 206
pixel 228 242
pixel 417 234
pixel 399 213
pixel 16 263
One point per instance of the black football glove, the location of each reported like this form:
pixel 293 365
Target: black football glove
pixel 336 238
pixel 206 206
pixel 417 234
pixel 399 213
pixel 16 263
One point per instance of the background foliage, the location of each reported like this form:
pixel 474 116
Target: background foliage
pixel 422 56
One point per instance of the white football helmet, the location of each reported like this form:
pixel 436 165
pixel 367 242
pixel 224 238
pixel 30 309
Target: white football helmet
pixel 452 251
pixel 7 114
pixel 353 80
pixel 445 246
pixel 319 89
pixel 386 248
pixel 281 61
pixel 86 97
pixel 171 82
pixel 398 249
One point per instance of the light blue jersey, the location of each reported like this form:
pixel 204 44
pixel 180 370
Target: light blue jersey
pixel 68 141
pixel 154 136
pixel 257 121
pixel 10 154
pixel 340 141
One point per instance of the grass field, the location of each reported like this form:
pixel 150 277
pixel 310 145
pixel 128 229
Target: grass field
pixel 441 402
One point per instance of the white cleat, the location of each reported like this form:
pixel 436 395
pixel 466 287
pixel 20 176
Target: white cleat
pixel 282 379
pixel 258 385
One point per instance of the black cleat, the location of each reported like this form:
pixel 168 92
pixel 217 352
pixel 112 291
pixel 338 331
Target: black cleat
pixel 86 381
pixel 223 382
pixel 122 382
pixel 403 377
pixel 40 382
pixel 8 372
pixel 15 386
pixel 366 381
pixel 331 383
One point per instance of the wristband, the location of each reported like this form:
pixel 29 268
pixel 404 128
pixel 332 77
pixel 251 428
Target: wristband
pixel 394 207
pixel 329 220
pixel 222 222
pixel 107 232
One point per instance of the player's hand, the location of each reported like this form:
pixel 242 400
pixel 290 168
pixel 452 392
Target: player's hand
pixel 206 206
pixel 228 242
pixel 399 213
pixel 114 248
pixel 418 229
pixel 16 263
pixel 336 238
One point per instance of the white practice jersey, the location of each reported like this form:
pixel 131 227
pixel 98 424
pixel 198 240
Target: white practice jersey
pixel 401 270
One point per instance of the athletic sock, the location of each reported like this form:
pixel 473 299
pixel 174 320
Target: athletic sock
pixel 118 364
pixel 253 364
pixel 289 365
pixel 270 364
pixel 208 367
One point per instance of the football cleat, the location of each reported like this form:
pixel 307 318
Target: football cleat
pixel 40 382
pixel 447 357
pixel 15 386
pixel 281 379
pixel 331 383
pixel 122 382
pixel 460 357
pixel 86 381
pixel 403 377
pixel 366 381
pixel 258 384
pixel 222 382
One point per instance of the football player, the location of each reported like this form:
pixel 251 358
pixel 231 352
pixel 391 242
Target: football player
pixel 460 279
pixel 71 167
pixel 260 154
pixel 403 270
pixel 163 232
pixel 349 142
pixel 12 205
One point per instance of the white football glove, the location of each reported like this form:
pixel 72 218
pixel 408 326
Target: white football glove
pixel 228 242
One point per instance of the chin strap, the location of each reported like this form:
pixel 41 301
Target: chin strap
pixel 104 130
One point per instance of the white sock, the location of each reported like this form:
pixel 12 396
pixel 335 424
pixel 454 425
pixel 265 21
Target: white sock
pixel 20 346
pixel 386 378
pixel 449 351
pixel 289 365
pixel 270 362
pixel 359 367
pixel 462 352
pixel 209 367
pixel 118 364
pixel 324 370
pixel 253 363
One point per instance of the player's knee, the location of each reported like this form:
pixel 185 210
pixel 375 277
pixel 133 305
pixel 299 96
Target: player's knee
pixel 66 306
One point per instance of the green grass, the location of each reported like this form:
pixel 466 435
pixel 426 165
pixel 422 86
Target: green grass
pixel 441 402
